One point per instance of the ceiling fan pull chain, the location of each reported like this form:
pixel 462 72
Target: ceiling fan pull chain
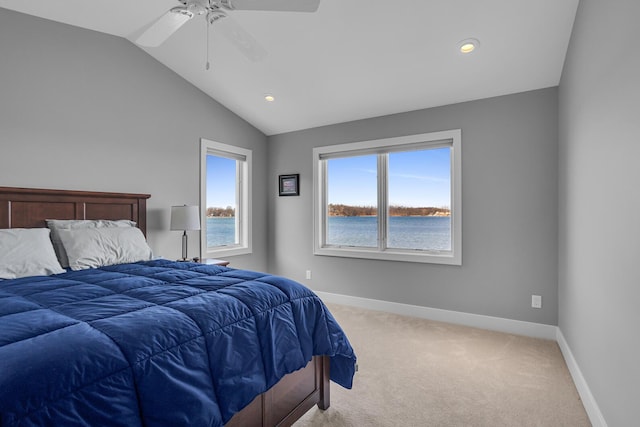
pixel 208 65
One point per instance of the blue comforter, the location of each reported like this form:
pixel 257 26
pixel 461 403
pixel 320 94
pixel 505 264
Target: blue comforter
pixel 155 343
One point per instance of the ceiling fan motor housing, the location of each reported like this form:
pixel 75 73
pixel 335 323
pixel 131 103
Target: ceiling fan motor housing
pixel 197 7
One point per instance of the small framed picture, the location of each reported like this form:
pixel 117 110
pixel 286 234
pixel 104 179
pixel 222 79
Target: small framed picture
pixel 289 185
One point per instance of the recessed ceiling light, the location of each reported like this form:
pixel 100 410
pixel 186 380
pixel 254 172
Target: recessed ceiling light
pixel 468 45
pixel 269 98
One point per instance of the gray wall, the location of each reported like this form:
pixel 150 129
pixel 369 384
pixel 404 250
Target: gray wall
pixel 87 111
pixel 599 279
pixel 509 192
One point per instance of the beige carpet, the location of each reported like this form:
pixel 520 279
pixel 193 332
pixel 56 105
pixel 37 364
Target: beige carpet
pixel 415 372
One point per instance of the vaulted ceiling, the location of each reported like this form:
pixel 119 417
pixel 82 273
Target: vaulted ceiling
pixel 351 59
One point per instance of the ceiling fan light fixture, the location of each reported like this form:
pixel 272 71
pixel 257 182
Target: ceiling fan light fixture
pixel 198 7
pixel 215 15
pixel 468 45
pixel 269 98
pixel 182 11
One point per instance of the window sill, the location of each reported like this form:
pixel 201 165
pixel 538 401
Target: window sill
pixel 223 253
pixel 424 257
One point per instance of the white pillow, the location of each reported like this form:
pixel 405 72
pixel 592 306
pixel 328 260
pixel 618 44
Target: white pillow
pixel 96 247
pixel 73 224
pixel 27 252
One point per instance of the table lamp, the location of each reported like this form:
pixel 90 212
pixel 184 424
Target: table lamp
pixel 185 218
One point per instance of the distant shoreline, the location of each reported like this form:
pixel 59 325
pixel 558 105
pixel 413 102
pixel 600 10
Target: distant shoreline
pixel 338 210
pixel 394 210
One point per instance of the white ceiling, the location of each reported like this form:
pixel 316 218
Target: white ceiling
pixel 352 59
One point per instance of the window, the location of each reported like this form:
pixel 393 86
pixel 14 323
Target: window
pixel 394 199
pixel 225 194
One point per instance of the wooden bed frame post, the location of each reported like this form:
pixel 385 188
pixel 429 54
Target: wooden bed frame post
pixel 325 391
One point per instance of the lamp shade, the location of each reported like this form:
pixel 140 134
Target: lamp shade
pixel 185 218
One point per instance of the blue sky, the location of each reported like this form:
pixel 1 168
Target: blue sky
pixel 416 179
pixel 221 178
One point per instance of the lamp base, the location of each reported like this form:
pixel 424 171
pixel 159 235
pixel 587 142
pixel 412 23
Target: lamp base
pixel 184 245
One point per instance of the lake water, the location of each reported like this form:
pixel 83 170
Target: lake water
pixel 413 232
pixel 221 231
pixel 405 232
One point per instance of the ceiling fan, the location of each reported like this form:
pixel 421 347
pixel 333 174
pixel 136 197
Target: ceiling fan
pixel 215 10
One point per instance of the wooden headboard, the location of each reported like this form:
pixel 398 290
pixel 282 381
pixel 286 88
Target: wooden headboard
pixel 29 207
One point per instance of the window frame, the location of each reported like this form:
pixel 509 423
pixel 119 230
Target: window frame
pixel 450 138
pixel 243 196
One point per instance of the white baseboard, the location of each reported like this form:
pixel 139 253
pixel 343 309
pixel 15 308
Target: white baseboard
pixel 589 402
pixel 518 327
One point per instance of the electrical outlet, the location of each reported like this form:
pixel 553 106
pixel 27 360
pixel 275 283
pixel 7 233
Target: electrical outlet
pixel 536 301
pixel 308 274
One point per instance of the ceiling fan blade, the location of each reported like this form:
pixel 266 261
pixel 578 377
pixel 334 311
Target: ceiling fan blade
pixel 164 27
pixel 241 39
pixel 273 5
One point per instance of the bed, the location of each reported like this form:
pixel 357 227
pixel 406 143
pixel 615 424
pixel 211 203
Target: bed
pixel 156 342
